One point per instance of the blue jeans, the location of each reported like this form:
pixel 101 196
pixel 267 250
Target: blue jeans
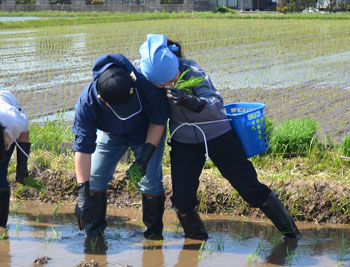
pixel 3 168
pixel 110 149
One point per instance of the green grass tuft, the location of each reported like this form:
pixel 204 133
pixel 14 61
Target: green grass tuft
pixel 294 136
pixel 345 146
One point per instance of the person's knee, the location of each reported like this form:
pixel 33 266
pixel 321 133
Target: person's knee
pixel 256 196
pixel 183 204
pixel 151 188
pixel 98 184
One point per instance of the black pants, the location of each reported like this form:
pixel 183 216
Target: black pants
pixel 187 161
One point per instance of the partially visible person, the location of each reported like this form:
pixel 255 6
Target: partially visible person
pixel 199 128
pixel 119 109
pixel 14 132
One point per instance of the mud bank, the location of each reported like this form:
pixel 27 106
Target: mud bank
pixel 319 200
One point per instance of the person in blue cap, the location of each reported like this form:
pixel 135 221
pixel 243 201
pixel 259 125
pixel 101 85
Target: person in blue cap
pixel 119 109
pixel 14 132
pixel 198 129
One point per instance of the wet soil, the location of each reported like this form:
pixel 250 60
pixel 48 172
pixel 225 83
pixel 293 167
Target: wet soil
pixel 318 200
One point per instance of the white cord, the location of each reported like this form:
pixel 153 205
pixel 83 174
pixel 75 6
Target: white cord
pixel 36 167
pixel 200 129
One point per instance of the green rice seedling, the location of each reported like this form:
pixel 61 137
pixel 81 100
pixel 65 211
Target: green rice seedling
pixel 38 217
pixel 220 245
pixel 253 257
pixel 166 235
pixel 135 176
pixel 276 238
pixel 16 205
pixel 56 208
pixel 200 252
pixel 47 241
pixel 95 242
pixel 17 226
pixel 345 146
pixel 290 257
pixel 208 248
pixel 3 235
pixel 55 233
pixel 186 85
pixel 294 136
pixel 345 249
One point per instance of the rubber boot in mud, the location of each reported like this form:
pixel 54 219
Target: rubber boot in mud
pixel 4 206
pixel 192 225
pixel 153 210
pixel 99 206
pixel 280 217
pixel 22 162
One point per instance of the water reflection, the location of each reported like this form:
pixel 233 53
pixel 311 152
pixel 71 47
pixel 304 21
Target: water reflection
pixel 152 253
pixel 5 256
pixel 19 18
pixel 282 252
pixel 34 231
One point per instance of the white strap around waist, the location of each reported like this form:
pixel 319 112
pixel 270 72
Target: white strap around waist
pixel 195 124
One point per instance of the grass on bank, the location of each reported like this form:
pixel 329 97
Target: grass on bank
pixel 273 169
pixel 294 136
pixel 56 18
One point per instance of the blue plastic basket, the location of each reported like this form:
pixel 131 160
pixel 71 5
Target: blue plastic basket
pixel 248 120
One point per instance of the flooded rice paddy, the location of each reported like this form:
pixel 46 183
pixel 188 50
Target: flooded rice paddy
pixel 37 233
pixel 297 68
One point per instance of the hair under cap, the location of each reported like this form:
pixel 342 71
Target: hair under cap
pixel 158 64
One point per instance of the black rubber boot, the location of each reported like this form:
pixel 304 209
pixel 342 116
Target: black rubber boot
pixel 277 213
pixel 99 207
pixel 4 206
pixel 22 162
pixel 153 210
pixel 192 225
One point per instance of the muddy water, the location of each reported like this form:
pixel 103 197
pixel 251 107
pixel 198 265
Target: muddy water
pixel 37 231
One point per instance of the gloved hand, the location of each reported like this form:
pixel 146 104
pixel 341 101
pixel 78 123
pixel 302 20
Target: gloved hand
pixel 147 151
pixel 185 99
pixel 22 162
pixel 83 208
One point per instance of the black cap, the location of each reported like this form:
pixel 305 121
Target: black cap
pixel 117 88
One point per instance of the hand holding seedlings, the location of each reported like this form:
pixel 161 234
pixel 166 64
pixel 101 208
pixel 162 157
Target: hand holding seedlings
pixel 187 85
pixel 138 168
pixel 135 175
pixel 182 93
